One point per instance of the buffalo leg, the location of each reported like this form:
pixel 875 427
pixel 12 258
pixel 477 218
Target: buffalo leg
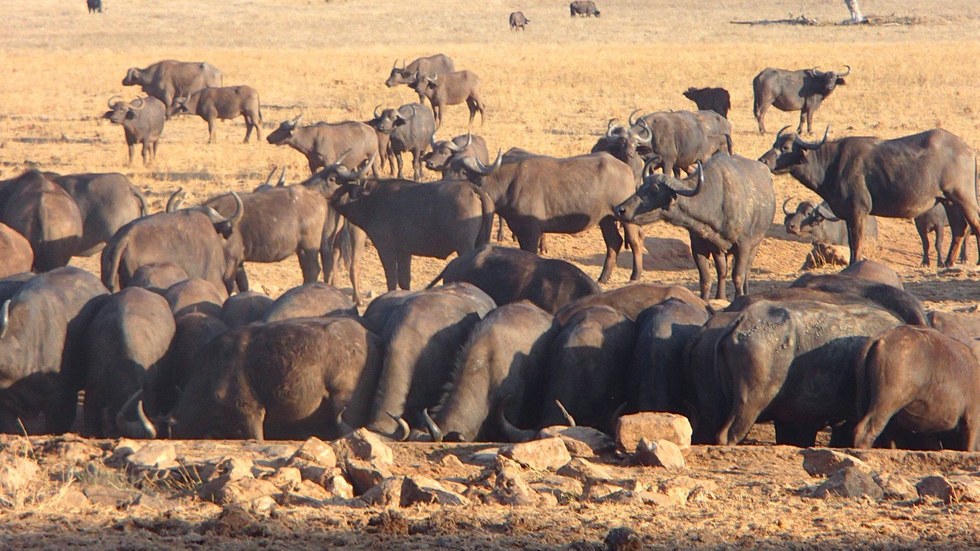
pixel 760 115
pixel 721 269
pixel 940 237
pixel 634 236
pixel 528 237
pixel 146 154
pixel 500 229
pixel 211 131
pixel 614 244
pixel 923 231
pixel 241 279
pixel 802 436
pixel 968 207
pixel 417 164
pixel 740 273
pixel 357 241
pixel 389 262
pixel 855 235
pixel 132 153
pixel 399 157
pixel 702 263
pixel 405 271
pixel 309 265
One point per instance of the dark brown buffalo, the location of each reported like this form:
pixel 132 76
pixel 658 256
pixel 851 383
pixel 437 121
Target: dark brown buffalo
pixel 193 332
pixel 450 89
pixel 437 64
pixel 922 381
pixel 518 21
pixel 886 295
pixel 801 91
pixel 537 194
pixel 16 252
pixel 935 220
pixel 125 345
pixel 106 202
pixel 585 8
pixel 710 99
pixel 311 300
pixel 94 6
pixel 142 121
pixel 631 300
pixel 349 143
pixel 512 275
pixel 899 178
pixel 675 141
pixel 728 211
pixel 168 79
pixel 622 142
pixel 410 128
pixel 157 276
pixel 45 214
pixel 197 240
pixel 876 272
pixel 223 103
pixel 244 308
pixel 194 295
pixel 41 339
pixel 446 155
pixel 818 223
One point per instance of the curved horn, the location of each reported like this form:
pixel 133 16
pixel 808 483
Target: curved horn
pixel 216 217
pixel 376 114
pixel 414 110
pixel 609 128
pixel 362 172
pixel 112 104
pixel 512 433
pixel 282 178
pixel 403 431
pixel 175 200
pixel 781 130
pixel 141 105
pixel 811 145
pixel 341 424
pixel 434 429
pixel 394 64
pixel 815 71
pixel 4 317
pixel 564 412
pixel 140 427
pixel 632 121
pixel 477 165
pixel 787 212
pixel 646 128
pixel 848 71
pixel 691 192
pixel 457 148
pixel 268 179
pixel 296 120
pixel 826 213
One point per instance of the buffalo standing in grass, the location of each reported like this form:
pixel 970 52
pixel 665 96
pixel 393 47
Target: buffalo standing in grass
pixel 106 202
pixel 168 79
pixel 350 143
pixel 801 91
pixel 224 103
pixel 585 8
pixel 518 21
pixel 450 89
pixel 410 128
pixel 142 121
pixel 94 6
pixel 435 64
pixel 675 141
pixel 710 99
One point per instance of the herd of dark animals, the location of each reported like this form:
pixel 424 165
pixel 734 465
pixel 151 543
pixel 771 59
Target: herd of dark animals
pixel 510 342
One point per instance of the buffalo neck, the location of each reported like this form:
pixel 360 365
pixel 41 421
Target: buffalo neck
pixel 684 213
pixel 812 172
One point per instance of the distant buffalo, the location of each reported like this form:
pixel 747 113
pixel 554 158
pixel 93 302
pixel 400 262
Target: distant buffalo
pixel 801 91
pixel 518 20
pixel 168 79
pixel 222 103
pixel 711 99
pixel 94 6
pixel 583 7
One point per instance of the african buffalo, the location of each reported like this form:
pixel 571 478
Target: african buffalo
pixel 197 240
pixel 675 141
pixel 585 8
pixel 106 202
pixel 631 300
pixel 921 380
pixel 875 272
pixel 537 194
pixel 16 252
pixel 410 128
pixel 446 155
pixel 518 21
pixel 193 331
pixel 899 302
pixel 224 103
pixel 41 335
pixel 710 99
pixel 244 308
pixel 168 79
pixel 801 91
pixel 194 295
pixel 450 89
pixel 350 143
pixel 935 220
pixel 621 142
pixel 310 300
pixel 94 6
pixel 142 121
pixel 729 210
pixel 125 344
pixel 434 64
pixel 818 223
pixel 45 214
pixel 899 178
pixel 157 276
pixel 511 275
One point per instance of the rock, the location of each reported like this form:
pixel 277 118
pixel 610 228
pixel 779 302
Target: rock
pixel 896 487
pixel 564 490
pixel 313 472
pixel 658 499
pixel 386 493
pixel 338 486
pixel 622 539
pixel 580 441
pixel 234 468
pixel 305 494
pixel 510 488
pixel 364 444
pixel 450 461
pixel 315 451
pixel 684 488
pixel 485 457
pixel 125 447
pixel 71 451
pixel 966 488
pixel 849 482
pixel 582 470
pixel 938 487
pixel 824 462
pixel 547 454
pixel 154 455
pixel 70 498
pixel 364 475
pixel 286 479
pixel 660 453
pixel 109 496
pixel 17 474
pixel 607 493
pixel 652 426
pixel 425 490
pixel 244 491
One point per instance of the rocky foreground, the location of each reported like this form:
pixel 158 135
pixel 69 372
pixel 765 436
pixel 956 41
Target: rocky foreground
pixel 573 488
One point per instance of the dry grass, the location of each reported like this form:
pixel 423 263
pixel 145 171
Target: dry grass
pixel 549 89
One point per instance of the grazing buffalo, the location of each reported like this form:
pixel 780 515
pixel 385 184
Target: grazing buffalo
pixel 310 300
pixel 585 8
pixel 705 403
pixel 15 249
pixel 675 141
pixel 512 275
pixel 434 64
pixel 518 21
pixel 801 91
pixel 125 345
pixel 537 194
pixel 197 240
pixel 501 368
pixel 405 219
pixel 106 202
pixel 450 89
pixel 142 121
pixel 922 381
pixel 899 178
pixel 45 214
pixel 410 128
pixel 350 143
pixel 168 79
pixel 710 99
pixel 41 339
pixel 446 155
pixel 818 223
pixel 244 308
pixel 193 332
pixel 224 103
pixel 791 363
pixel 728 211
pixel 631 300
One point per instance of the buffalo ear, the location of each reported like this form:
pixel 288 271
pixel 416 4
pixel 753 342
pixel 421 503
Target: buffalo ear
pixel 130 115
pixel 841 81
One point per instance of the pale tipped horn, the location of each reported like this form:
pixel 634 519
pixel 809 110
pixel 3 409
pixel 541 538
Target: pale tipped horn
pixel 175 200
pixel 787 212
pixel 434 430
pixel 781 130
pixel 811 145
pixel 609 128
pixel 401 434
pixel 4 318
pixel 140 427
pixel 826 213
pixel 848 71
pixel 564 412
pixel 376 114
pixel 136 106
pixel 282 178
pixel 112 104
pixel 691 192
pixel 342 425
pixel 268 179
pixel 631 120
pixel 645 128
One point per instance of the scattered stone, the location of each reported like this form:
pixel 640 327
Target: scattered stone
pixel 235 468
pixel 564 490
pixel 305 494
pixel 659 453
pixel 225 491
pixel 315 451
pixel 547 454
pixel 582 470
pixel 364 475
pixel 937 487
pixel 849 482
pixel 154 455
pixel 602 492
pixel 485 457
pixel 622 539
pixel 580 441
pixel 684 488
pixel 125 447
pixel 389 522
pixel 286 479
pixel 652 426
pixel 233 521
pixel 450 461
pixel 824 462
pixel 966 488
pixel 17 474
pixel 896 487
pixel 386 493
pixel 108 496
pixel 338 486
pixel 71 451
pixel 312 471
pixel 70 498
pixel 363 444
pixel 422 489
pixel 626 497
pixel 658 499
pixel 509 487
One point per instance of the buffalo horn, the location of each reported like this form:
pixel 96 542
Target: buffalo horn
pixel 826 213
pixel 295 121
pixel 564 413
pixel 112 104
pixel 216 217
pixel 136 106
pixel 811 145
pixel 476 165
pixel 4 317
pixel 394 64
pixel 649 133
pixel 268 179
pixel 434 429
pixel 848 71
pixel 451 144
pixel 513 433
pixel 609 128
pixel 282 178
pixel 649 166
pixel 376 114
pixel 362 172
pixel 781 130
pixel 141 427
pixel 401 434
pixel 691 192
pixel 175 200
pixel 632 121
pixel 786 212
pixel 342 425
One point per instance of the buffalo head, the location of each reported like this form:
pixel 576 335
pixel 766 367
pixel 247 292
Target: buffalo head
pixel 658 193
pixel 807 218
pixel 386 121
pixel 178 107
pixel 280 135
pixel 120 111
pixel 421 83
pixel 225 225
pixel 335 176
pixel 398 75
pixel 789 151
pixel 476 171
pixel 828 80
pixel 443 151
pixel 134 77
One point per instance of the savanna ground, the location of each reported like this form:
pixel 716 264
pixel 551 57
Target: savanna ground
pixel 550 89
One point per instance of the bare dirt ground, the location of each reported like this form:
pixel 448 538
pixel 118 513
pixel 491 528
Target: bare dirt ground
pixel 550 89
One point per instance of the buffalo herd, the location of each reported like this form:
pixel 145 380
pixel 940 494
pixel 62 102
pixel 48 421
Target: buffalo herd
pixel 170 343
